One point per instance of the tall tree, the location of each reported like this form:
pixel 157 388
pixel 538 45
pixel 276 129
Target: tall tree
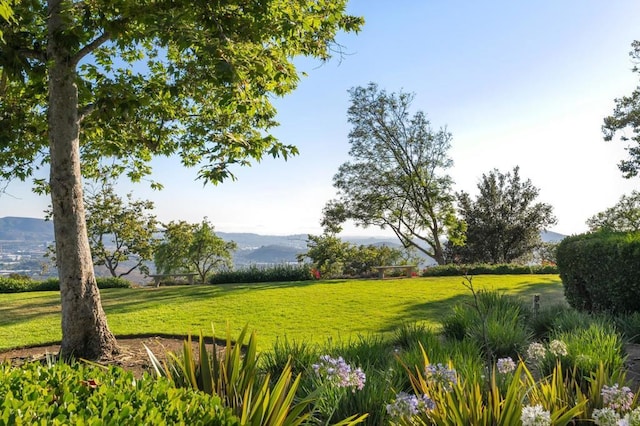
pixel 120 230
pixel 397 177
pixel 193 248
pixel 626 115
pixel 133 79
pixel 623 217
pixel 504 221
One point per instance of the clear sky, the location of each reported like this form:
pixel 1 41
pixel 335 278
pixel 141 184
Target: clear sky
pixel 517 84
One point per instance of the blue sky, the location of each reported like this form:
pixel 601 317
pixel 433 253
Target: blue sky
pixel 517 84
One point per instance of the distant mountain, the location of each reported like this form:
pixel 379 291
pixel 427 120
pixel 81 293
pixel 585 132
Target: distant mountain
pixel 254 241
pixel 267 254
pixel 252 248
pixel 551 237
pixel 25 229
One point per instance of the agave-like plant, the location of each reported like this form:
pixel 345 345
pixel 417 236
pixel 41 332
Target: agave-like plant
pixel 236 379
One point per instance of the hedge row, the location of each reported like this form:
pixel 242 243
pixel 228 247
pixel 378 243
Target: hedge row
pixel 20 284
pixel 487 269
pixel 269 274
pixel 600 271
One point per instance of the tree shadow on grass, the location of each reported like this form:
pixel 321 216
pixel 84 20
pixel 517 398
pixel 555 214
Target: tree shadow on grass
pixel 13 314
pixel 435 311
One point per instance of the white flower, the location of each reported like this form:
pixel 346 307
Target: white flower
pixel 558 348
pixel 605 417
pixel 633 417
pixel 505 365
pixel 536 351
pixel 535 416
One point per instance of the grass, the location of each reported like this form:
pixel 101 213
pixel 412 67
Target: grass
pixel 313 311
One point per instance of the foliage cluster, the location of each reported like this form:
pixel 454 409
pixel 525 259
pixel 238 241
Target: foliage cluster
pixel 21 284
pixel 503 223
pixel 83 394
pixel 333 258
pixel 623 217
pixel 487 269
pixel 599 271
pixel 266 274
pixel 192 248
pixel 119 230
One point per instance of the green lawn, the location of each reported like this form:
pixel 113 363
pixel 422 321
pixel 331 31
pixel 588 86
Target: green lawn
pixel 311 310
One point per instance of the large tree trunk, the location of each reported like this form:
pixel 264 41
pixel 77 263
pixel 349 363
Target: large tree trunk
pixel 85 333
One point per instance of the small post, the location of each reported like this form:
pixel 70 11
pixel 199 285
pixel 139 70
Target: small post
pixel 536 304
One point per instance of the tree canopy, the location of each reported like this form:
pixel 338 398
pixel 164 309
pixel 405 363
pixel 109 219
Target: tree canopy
pixel 397 174
pixel 127 80
pixel 623 217
pixel 193 248
pixel 120 230
pixel 626 115
pixel 504 221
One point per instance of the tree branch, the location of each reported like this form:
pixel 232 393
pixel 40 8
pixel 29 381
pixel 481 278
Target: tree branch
pixel 85 111
pixel 93 45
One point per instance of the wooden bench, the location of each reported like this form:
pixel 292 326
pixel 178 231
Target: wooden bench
pixel 157 278
pixel 408 269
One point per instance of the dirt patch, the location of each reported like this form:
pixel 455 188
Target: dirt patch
pixel 133 355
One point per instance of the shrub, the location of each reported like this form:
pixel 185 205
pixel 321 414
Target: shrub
pixel 496 322
pixel 410 334
pixel 586 350
pixel 256 274
pixel 600 271
pixel 542 323
pixel 487 269
pixel 84 394
pixel 25 284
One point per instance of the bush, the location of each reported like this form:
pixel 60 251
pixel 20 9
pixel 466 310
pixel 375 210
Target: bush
pixel 25 284
pixel 82 394
pixel 494 321
pixel 587 349
pixel 487 269
pixel 256 274
pixel 600 271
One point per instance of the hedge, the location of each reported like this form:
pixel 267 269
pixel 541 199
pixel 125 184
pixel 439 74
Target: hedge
pixel 21 284
pixel 487 269
pixel 600 271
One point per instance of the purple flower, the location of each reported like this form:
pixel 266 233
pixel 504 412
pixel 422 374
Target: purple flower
pixel 407 406
pixel 616 398
pixel 442 375
pixel 339 373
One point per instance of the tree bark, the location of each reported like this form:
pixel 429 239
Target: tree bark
pixel 85 333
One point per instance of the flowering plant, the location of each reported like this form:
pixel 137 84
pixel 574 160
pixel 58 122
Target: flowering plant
pixel 405 406
pixel 441 375
pixel 337 372
pixel 535 416
pixel 617 410
pixel 505 365
pixel 333 377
